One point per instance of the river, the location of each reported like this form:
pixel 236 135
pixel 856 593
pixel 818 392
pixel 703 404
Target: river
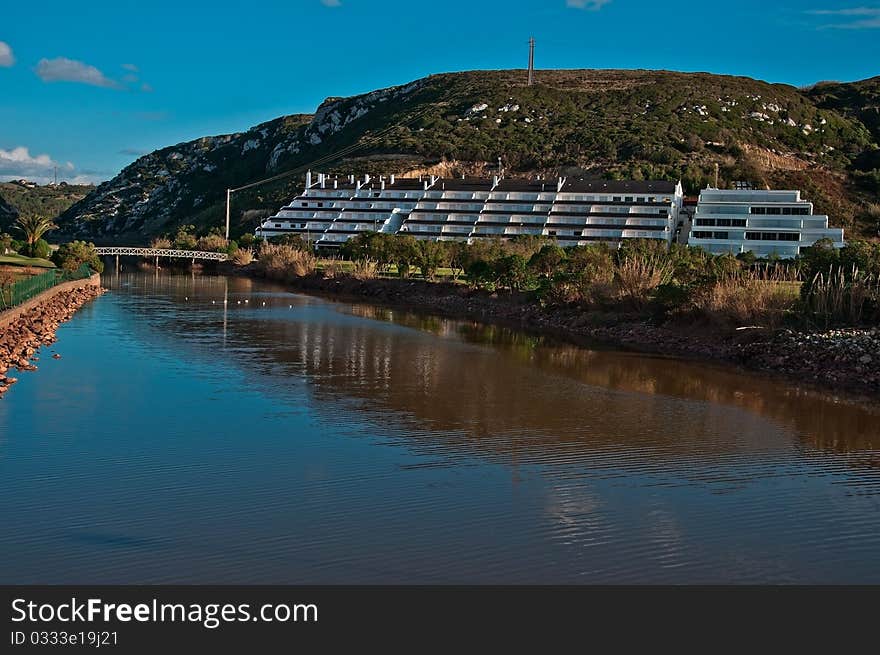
pixel 203 429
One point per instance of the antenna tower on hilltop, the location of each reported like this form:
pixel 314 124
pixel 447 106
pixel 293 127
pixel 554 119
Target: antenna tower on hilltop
pixel 531 60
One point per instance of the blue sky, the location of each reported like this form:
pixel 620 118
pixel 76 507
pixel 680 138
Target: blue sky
pixel 89 86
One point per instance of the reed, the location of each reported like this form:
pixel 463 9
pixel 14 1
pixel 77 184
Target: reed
pixel 637 277
pixel 836 297
pixel 283 262
pixel 242 257
pixel 365 269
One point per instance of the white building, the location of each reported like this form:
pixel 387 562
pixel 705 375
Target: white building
pixel 767 223
pixel 572 211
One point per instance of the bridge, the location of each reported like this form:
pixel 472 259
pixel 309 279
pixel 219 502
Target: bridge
pixel 161 252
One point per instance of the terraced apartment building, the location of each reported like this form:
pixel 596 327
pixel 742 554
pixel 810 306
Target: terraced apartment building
pixel 767 223
pixel 573 211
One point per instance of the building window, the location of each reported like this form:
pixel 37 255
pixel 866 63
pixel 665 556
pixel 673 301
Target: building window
pixel 773 236
pixel 720 235
pixel 305 204
pixel 701 235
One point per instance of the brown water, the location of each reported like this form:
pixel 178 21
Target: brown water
pixel 276 437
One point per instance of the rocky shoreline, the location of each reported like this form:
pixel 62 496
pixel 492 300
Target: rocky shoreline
pixel 838 360
pixel 22 338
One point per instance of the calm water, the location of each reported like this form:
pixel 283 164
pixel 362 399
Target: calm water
pixel 288 439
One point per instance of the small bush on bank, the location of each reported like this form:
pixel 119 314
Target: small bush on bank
pixel 638 277
pixel 70 256
pixel 212 243
pixel 39 249
pixel 286 262
pixel 365 269
pixel 242 257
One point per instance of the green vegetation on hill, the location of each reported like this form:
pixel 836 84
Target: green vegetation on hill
pixel 639 124
pixel 40 201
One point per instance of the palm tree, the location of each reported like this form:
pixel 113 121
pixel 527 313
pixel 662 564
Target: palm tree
pixel 34 227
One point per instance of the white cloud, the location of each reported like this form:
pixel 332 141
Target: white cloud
pixel 62 69
pixel 19 163
pixel 146 88
pixel 130 67
pixel 858 18
pixel 331 3
pixel 7 59
pixel 589 5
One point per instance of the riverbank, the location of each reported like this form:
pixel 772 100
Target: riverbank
pixel 845 360
pixel 24 329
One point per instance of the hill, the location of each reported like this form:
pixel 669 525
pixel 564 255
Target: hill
pixel 639 124
pixel 48 200
pixel 8 214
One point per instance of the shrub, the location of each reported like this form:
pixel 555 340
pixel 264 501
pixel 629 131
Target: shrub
pixel 39 249
pixel 365 269
pixel 638 277
pixel 286 262
pixel 5 243
pixel 333 268
pixel 161 243
pixel 184 239
pixel 212 243
pixel 430 255
pixel 242 257
pixel 70 256
pixel 404 253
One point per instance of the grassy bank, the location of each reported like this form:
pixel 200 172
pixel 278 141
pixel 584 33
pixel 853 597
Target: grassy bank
pixel 15 259
pixel 640 279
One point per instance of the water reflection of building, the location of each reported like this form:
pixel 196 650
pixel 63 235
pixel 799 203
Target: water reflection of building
pixel 489 390
pixel 526 394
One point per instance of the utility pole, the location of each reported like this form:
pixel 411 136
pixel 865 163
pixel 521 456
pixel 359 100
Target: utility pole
pixel 228 200
pixel 716 174
pixel 531 60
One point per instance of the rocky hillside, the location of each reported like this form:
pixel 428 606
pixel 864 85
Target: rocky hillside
pixel 638 124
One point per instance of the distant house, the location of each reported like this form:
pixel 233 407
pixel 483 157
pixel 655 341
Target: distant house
pixel 767 223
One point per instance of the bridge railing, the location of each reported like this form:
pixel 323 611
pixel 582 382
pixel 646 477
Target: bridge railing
pixel 22 290
pixel 125 251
